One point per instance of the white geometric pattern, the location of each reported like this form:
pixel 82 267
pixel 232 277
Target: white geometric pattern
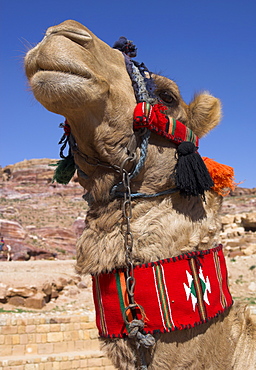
pixel 190 288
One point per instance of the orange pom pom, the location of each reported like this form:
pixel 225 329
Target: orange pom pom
pixel 222 176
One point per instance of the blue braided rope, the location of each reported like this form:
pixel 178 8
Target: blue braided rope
pixel 143 154
pixel 120 194
pixel 114 192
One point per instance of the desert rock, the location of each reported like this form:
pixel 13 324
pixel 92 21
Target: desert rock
pixel 37 301
pixel 12 229
pixel 249 221
pixel 24 291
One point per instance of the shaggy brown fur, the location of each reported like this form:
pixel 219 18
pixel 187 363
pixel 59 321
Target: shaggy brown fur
pixel 73 73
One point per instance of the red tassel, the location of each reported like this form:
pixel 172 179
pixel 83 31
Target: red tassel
pixel 161 119
pixel 146 114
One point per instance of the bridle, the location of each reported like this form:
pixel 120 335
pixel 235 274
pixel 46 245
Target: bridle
pixel 132 161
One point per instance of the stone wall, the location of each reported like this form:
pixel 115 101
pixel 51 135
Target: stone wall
pixel 238 234
pixel 46 341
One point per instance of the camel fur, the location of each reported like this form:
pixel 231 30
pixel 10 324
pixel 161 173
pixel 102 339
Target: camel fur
pixel 73 73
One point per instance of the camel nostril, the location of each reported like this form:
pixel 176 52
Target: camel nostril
pixel 81 37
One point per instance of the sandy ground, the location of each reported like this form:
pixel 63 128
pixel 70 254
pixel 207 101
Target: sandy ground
pixel 242 280
pixel 36 273
pixel 19 273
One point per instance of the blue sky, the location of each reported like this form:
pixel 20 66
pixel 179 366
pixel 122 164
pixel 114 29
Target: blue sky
pixel 202 45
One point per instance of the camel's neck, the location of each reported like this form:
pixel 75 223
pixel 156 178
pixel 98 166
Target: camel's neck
pixel 162 227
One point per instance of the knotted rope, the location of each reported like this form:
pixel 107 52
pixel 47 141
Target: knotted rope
pixel 142 340
pixel 135 328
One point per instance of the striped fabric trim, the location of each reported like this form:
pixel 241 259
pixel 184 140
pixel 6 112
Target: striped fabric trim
pixel 190 136
pixel 172 126
pixel 223 300
pixel 122 293
pixel 198 289
pixel 147 110
pixel 163 297
pixel 103 323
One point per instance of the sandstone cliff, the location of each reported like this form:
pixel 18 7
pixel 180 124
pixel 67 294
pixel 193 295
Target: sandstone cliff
pixel 38 218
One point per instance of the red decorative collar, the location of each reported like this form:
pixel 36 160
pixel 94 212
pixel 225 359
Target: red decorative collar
pixel 176 293
pixel 153 118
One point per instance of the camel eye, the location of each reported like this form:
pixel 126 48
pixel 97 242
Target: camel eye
pixel 166 97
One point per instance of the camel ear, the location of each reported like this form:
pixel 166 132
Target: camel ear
pixel 204 114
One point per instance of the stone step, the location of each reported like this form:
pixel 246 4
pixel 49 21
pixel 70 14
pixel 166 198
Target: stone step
pixel 45 341
pixel 90 360
pixel 45 334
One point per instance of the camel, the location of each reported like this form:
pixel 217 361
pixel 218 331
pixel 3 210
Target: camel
pixel 143 231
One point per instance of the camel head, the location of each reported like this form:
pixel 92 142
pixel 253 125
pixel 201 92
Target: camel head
pixel 73 73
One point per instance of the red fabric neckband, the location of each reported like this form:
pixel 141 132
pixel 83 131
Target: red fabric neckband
pixel 176 293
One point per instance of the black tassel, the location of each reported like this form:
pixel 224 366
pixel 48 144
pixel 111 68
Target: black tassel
pixel 191 175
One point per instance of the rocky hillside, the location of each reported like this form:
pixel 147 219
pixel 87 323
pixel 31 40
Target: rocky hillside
pixel 40 219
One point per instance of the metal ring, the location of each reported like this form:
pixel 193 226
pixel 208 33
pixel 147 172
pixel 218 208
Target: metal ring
pixel 131 307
